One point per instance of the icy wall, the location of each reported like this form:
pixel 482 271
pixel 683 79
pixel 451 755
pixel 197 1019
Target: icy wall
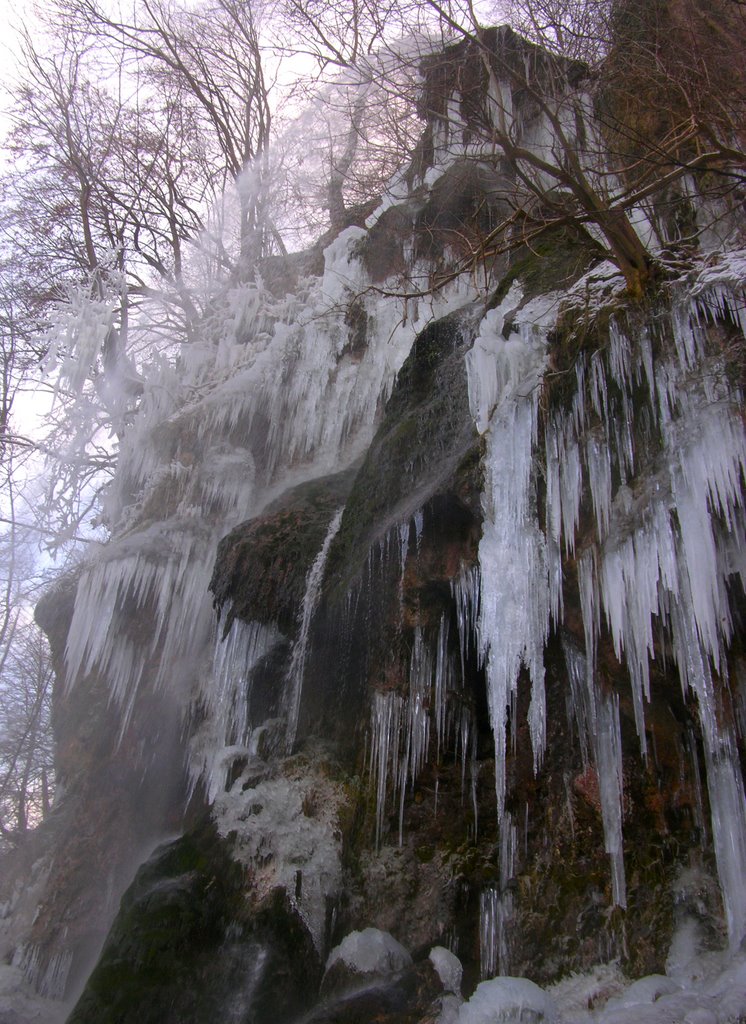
pixel 422 615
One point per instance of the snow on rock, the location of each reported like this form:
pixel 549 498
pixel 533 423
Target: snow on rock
pixel 370 952
pixel 644 990
pixel 508 999
pixel 287 833
pixel 713 991
pixel 448 966
pixel 577 993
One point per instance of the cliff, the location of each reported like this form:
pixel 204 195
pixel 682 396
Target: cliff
pixel 422 615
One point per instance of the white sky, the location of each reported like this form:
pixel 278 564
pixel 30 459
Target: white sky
pixel 11 14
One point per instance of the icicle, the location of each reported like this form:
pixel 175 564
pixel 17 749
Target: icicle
pixel 503 378
pixel 665 547
pixel 386 722
pixel 465 730
pixel 50 979
pixel 443 683
pixel 474 778
pixel 162 573
pixel 402 536
pixel 699 814
pixel 224 699
pixel 496 908
pixel 597 717
pixel 401 726
pixel 419 522
pixel 488 932
pixel 417 726
pixel 300 647
pixel 608 753
pixel 466 590
pixel 728 809
pixel 580 705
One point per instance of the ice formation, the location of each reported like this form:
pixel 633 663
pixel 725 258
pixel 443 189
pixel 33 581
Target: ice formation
pixel 448 966
pixel 712 991
pixel 370 951
pixel 300 648
pixel 597 718
pixel 287 833
pixel 225 696
pixel 504 376
pixel 401 724
pixel 664 541
pixel 667 527
pixel 496 908
pixel 651 445
pixel 510 1000
pixel 283 364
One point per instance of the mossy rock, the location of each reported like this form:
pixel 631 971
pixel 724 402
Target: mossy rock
pixel 261 566
pixel 185 946
pixel 553 262
pixel 426 437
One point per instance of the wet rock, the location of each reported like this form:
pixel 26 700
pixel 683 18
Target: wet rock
pixel 187 946
pixel 412 996
pixel 261 566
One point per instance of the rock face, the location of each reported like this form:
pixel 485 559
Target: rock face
pixel 493 706
pixel 180 950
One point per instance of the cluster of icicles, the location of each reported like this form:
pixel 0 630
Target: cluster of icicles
pixel 654 436
pixel 669 533
pixel 667 542
pixel 267 398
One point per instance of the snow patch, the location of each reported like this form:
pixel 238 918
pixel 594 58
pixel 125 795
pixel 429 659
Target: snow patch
pixel 510 1000
pixel 370 951
pixel 449 968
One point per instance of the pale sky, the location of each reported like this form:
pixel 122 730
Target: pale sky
pixel 10 16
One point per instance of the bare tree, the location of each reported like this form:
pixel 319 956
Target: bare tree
pixel 534 114
pixel 212 54
pixel 577 29
pixel 26 745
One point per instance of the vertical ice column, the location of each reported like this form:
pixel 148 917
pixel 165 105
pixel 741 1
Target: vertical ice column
pixel 496 908
pixel 597 717
pixel 300 648
pixel 225 695
pixel 488 932
pixel 504 377
pixel 608 755
pixel 387 712
pixel 724 778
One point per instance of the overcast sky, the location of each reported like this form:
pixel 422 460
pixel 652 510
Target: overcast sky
pixel 9 19
pixel 9 48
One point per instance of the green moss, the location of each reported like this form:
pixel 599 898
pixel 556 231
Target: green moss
pixel 261 566
pixel 555 260
pixel 185 944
